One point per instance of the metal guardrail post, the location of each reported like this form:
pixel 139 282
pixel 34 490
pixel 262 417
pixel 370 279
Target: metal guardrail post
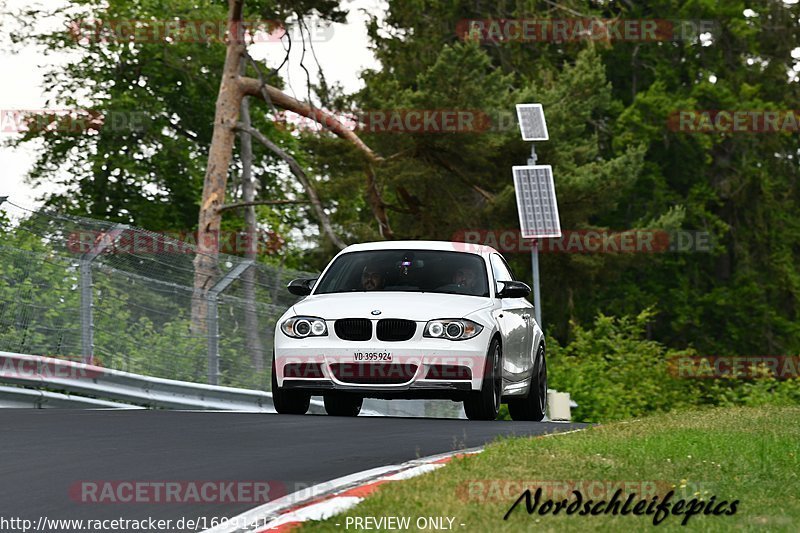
pixel 87 284
pixel 213 317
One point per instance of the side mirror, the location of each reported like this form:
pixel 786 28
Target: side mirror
pixel 301 286
pixel 513 289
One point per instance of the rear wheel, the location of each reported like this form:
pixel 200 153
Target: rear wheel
pixel 288 402
pixel 485 403
pixel 534 406
pixel 343 404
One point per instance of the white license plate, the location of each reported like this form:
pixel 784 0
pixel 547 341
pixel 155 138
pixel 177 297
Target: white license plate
pixel 367 356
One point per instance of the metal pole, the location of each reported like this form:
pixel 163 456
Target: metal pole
pixel 87 287
pixel 213 317
pixel 537 303
pixel 213 340
pixel 87 320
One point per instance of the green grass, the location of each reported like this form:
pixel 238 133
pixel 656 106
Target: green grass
pixel 746 454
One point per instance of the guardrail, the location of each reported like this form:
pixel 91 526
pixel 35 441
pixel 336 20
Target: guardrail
pixel 46 382
pixel 38 399
pixel 95 385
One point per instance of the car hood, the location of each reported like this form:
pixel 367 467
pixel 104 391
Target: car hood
pixel 416 306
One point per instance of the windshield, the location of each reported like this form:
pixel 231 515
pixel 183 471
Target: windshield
pixel 407 270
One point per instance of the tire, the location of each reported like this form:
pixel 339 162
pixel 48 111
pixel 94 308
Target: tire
pixel 288 402
pixel 343 404
pixel 485 403
pixel 534 406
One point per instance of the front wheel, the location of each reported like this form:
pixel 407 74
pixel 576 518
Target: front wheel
pixel 343 404
pixel 534 406
pixel 485 403
pixel 288 402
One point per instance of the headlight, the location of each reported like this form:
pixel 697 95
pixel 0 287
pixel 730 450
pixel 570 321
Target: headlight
pixel 301 327
pixel 455 329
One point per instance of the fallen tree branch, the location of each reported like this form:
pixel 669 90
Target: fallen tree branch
pixel 483 192
pixel 262 82
pixel 253 87
pixel 377 204
pixel 240 205
pixel 301 176
pixel 450 168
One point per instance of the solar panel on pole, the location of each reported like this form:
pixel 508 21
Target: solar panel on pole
pixel 531 122
pixel 536 193
pixel 536 201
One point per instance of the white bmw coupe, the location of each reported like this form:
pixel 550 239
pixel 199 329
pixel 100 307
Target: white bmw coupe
pixel 412 319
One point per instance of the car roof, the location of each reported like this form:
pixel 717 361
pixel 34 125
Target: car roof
pixel 450 246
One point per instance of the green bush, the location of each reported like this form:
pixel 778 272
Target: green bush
pixel 614 372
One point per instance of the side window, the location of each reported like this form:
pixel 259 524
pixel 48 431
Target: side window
pixel 500 269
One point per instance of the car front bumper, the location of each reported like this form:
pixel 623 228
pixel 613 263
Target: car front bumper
pixel 419 359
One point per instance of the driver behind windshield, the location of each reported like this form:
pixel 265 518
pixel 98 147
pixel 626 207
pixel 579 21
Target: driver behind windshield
pixel 372 279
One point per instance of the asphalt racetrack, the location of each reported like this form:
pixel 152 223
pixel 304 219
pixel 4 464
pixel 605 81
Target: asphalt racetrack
pixel 50 457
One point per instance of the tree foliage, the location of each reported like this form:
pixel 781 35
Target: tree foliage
pixel 617 163
pixel 147 168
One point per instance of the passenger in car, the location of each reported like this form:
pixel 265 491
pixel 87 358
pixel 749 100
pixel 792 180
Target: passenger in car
pixel 466 278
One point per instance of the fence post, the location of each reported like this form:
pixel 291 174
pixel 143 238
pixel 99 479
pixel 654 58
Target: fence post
pixel 103 241
pixel 87 321
pixel 213 317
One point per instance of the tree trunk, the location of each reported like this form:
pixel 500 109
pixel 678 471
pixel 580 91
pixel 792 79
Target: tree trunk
pixel 231 91
pixel 219 157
